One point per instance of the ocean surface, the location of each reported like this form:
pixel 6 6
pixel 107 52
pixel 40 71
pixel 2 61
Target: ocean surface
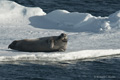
pixel 102 68
pixel 94 7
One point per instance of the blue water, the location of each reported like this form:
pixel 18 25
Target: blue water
pixel 103 68
pixel 107 68
pixel 95 7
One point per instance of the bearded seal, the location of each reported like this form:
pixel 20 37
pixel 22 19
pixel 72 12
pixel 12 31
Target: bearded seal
pixel 44 44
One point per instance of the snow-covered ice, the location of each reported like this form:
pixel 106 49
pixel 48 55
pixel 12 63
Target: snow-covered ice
pixel 89 36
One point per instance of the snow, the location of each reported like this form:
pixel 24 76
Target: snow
pixel 89 36
pixel 10 11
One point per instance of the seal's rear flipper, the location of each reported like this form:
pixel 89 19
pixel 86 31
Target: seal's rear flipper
pixel 12 45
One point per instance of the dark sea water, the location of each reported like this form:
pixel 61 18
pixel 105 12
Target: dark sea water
pixel 103 68
pixel 95 7
pixel 107 68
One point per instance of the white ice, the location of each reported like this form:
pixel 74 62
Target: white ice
pixel 88 36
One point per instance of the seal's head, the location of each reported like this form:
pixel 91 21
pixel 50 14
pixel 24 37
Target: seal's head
pixel 63 37
pixel 61 42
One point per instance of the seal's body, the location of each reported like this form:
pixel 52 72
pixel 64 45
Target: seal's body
pixel 45 44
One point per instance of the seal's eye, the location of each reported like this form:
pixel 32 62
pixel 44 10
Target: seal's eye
pixel 63 35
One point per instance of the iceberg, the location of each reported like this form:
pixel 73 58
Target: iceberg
pixel 89 36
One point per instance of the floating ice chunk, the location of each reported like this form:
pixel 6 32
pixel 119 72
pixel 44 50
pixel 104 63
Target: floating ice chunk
pixel 81 29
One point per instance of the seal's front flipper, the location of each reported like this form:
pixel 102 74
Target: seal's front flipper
pixel 51 43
